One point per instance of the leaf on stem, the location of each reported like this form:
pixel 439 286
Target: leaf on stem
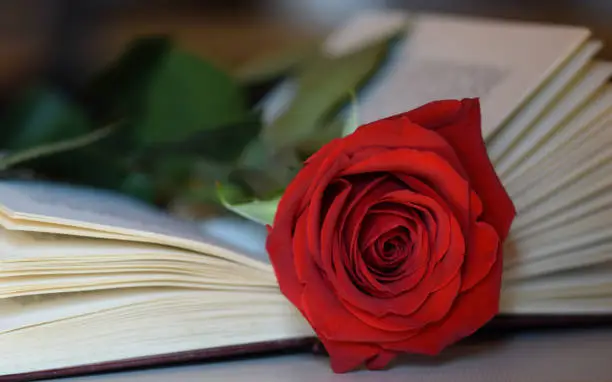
pixel 168 94
pixel 259 211
pixel 322 87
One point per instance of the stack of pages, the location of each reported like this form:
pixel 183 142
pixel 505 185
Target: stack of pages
pixel 90 280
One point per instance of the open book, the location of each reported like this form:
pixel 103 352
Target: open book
pixel 91 280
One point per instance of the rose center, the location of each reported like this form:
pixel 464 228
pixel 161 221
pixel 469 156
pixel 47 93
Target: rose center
pixel 393 250
pixel 388 253
pixel 388 248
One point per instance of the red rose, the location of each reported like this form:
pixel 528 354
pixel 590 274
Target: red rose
pixel 389 240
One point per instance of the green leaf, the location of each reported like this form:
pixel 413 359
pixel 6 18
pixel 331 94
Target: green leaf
pixel 340 126
pixel 167 93
pixel 323 86
pixel 40 117
pixel 223 143
pixel 186 95
pixel 352 121
pixel 265 171
pixel 259 211
pixel 118 90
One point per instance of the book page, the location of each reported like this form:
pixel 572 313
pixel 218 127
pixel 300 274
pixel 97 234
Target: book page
pixel 501 62
pixel 25 311
pixel 544 99
pixel 173 322
pixel 578 97
pixel 87 207
pixel 63 209
pixel 595 111
pixel 46 263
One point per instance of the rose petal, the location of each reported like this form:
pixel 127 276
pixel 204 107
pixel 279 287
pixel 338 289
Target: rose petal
pixel 419 231
pixel 434 115
pixel 459 123
pixel 376 225
pixel 337 323
pixel 461 212
pixel 428 167
pixel 471 311
pixel 481 256
pixel 410 270
pixel 279 241
pixel 413 270
pixel 344 282
pixel 400 133
pixel 387 265
pixel 278 246
pixel 403 303
pixel 358 208
pixel 319 184
pixel 330 229
pixel 439 274
pixel 381 360
pixel 437 277
pixel 438 219
pixel 301 251
pixel 435 307
pixel 345 357
pixel 364 195
pixel 334 253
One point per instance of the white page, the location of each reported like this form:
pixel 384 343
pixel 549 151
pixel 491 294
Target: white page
pixel 563 306
pixel 580 282
pixel 593 138
pixel 162 326
pixel 594 79
pixel 566 216
pixel 579 227
pixel 27 311
pixel 24 245
pixel 58 206
pixel 578 185
pixel 552 90
pixel 22 286
pixel 86 207
pixel 501 62
pixel 524 263
pixel 576 169
pixel 592 113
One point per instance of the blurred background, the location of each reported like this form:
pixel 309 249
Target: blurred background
pixel 138 113
pixel 67 40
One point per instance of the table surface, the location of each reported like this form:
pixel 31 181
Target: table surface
pixel 559 357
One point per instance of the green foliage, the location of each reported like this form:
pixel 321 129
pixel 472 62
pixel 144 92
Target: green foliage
pixel 46 132
pixel 311 118
pixel 259 211
pixel 42 116
pixel 324 85
pixel 162 124
pixel 168 94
